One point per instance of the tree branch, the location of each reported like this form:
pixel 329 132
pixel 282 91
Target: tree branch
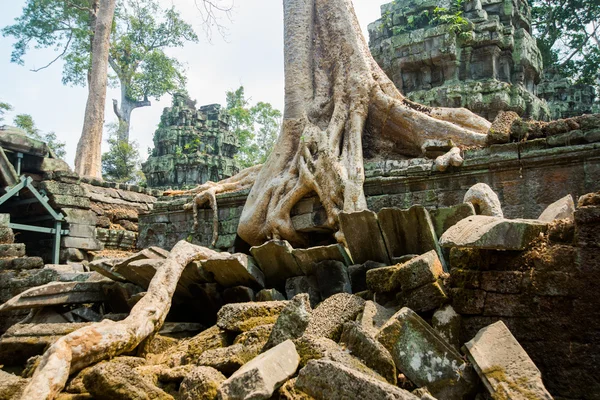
pixel 59 56
pixel 116 109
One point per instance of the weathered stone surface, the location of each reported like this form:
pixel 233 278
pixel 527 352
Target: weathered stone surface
pixel 364 346
pixel 202 383
pixel 139 272
pixel 447 322
pixel 324 380
pixel 408 231
pixel 292 321
pixel 425 357
pixel 22 263
pixel 303 284
pixel 332 278
pixel 255 337
pixel 106 268
pixel 11 386
pixel 8 174
pixel 485 232
pixel 504 367
pixel 190 350
pixel 57 293
pixel 501 127
pixel 7 235
pixel 424 298
pixel 259 378
pixel 307 258
pixel 227 359
pixel 485 200
pixel 276 261
pixel 560 209
pixel 118 381
pixel 358 274
pixel 374 316
pixel 234 270
pixel 363 236
pixel 289 391
pixel 445 217
pixel 269 295
pixel 329 317
pixel 241 317
pixel 12 250
pixel 15 139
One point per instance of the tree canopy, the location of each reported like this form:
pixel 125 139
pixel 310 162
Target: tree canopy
pixel 121 163
pixel 26 122
pixel 568 34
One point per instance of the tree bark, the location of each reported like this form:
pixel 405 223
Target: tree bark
pixel 108 339
pixel 337 99
pixel 123 112
pixel 88 157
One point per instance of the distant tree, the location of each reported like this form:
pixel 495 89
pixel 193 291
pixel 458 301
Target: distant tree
pixel 121 163
pixel 4 107
pixel 26 122
pixel 568 34
pixel 256 127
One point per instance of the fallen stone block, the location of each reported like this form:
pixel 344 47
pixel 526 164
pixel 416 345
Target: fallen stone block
pixel 269 295
pixel 425 298
pixel 485 200
pixel 141 271
pixel 289 391
pixel 227 359
pixel 202 383
pixel 12 250
pixel 374 316
pixel 364 346
pixel 408 231
pixel 255 337
pixel 15 139
pixel 447 323
pixel 57 293
pixel 425 357
pixel 329 317
pixel 259 378
pixel 276 261
pixel 484 232
pixel 363 236
pixel 118 381
pixel 307 258
pixel 324 380
pixel 560 209
pixel 504 367
pixel 292 321
pixel 8 174
pixel 235 270
pixel 358 274
pixel 444 218
pixel 190 350
pixel 332 277
pixel 303 284
pixel 11 386
pixel 25 263
pixel 241 317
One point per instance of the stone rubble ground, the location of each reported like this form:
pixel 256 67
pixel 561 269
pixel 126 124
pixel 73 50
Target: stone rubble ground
pixel 345 331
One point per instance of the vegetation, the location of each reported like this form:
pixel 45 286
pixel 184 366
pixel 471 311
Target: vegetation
pixel 568 34
pixel 26 122
pixel 256 127
pixel 121 163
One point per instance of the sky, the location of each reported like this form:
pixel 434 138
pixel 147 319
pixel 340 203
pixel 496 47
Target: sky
pixel 251 55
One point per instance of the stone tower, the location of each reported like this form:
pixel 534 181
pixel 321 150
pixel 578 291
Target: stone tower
pixel 492 64
pixel 191 146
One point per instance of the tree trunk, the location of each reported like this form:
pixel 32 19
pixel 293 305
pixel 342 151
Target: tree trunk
pixel 337 99
pixel 88 157
pixel 108 339
pixel 123 112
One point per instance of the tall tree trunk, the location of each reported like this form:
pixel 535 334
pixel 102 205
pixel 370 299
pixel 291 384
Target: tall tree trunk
pixel 337 99
pixel 123 112
pixel 88 157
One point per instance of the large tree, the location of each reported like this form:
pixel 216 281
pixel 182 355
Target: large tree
pixel 337 100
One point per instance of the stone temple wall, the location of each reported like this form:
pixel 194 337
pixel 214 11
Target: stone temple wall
pixel 527 176
pixel 492 65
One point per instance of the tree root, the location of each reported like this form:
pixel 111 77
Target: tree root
pixel 107 339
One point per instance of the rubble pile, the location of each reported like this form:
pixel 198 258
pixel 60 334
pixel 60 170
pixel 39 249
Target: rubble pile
pixel 448 304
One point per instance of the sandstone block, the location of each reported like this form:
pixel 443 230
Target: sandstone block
pixel 276 261
pixel 374 316
pixel 504 367
pixel 227 359
pixel 190 350
pixel 259 378
pixel 444 218
pixel 234 270
pixel 202 383
pixel 447 323
pixel 11 385
pixel 363 236
pixel 560 209
pixel 307 258
pixel 358 274
pixel 269 295
pixel 241 317
pixel 12 250
pixel 494 233
pixel 255 337
pixel 324 380
pixel 24 263
pixel 425 298
pixel 332 278
pixel 425 357
pixel 329 317
pixel 292 321
pixel 303 284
